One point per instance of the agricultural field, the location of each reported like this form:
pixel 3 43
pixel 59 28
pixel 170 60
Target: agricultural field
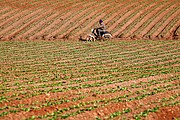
pixel 47 73
pixel 67 19
pixel 117 79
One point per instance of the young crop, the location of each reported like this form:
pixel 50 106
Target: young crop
pixel 75 78
pixel 118 113
pixel 145 113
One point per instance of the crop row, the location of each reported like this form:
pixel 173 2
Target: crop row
pixel 34 3
pixel 70 78
pixel 72 52
pixel 117 62
pixel 100 67
pixel 83 73
pixel 88 17
pixel 17 19
pixel 97 103
pixel 136 23
pixel 61 86
pixel 56 78
pixel 110 90
pixel 169 31
pixel 131 57
pixel 86 68
pixel 124 89
pixel 11 31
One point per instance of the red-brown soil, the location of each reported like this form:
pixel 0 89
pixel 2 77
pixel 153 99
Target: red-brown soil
pixel 108 77
pixel 53 26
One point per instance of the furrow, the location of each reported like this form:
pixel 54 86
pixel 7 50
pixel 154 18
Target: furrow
pixel 168 112
pixel 171 33
pixel 20 27
pixel 43 32
pixel 6 16
pixel 130 20
pixel 102 73
pixel 109 63
pixel 32 33
pixel 82 21
pixel 90 9
pixel 73 83
pixel 31 28
pixel 4 11
pixel 124 14
pixel 25 14
pixel 89 23
pixel 86 58
pixel 156 20
pixel 69 20
pixel 12 17
pixel 110 106
pixel 165 23
pixel 144 19
pixel 154 17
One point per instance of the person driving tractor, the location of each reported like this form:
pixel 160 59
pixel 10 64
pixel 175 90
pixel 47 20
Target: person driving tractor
pixel 99 33
pixel 101 30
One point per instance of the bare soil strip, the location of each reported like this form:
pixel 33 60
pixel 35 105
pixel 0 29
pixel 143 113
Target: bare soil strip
pixel 24 26
pixel 126 9
pixel 63 18
pixel 141 12
pixel 4 12
pixel 11 18
pixel 56 18
pixel 160 29
pixel 89 8
pixel 156 20
pixel 171 33
pixel 147 17
pixel 43 32
pixel 164 113
pixel 27 16
pixel 54 27
pixel 87 17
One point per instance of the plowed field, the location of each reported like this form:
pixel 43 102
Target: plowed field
pixel 123 79
pixel 119 79
pixel 63 19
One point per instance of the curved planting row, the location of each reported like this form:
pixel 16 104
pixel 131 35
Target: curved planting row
pixel 99 80
pixel 54 19
pixel 146 23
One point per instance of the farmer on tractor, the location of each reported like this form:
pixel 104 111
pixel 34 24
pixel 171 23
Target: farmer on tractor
pixel 102 29
pixel 99 33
